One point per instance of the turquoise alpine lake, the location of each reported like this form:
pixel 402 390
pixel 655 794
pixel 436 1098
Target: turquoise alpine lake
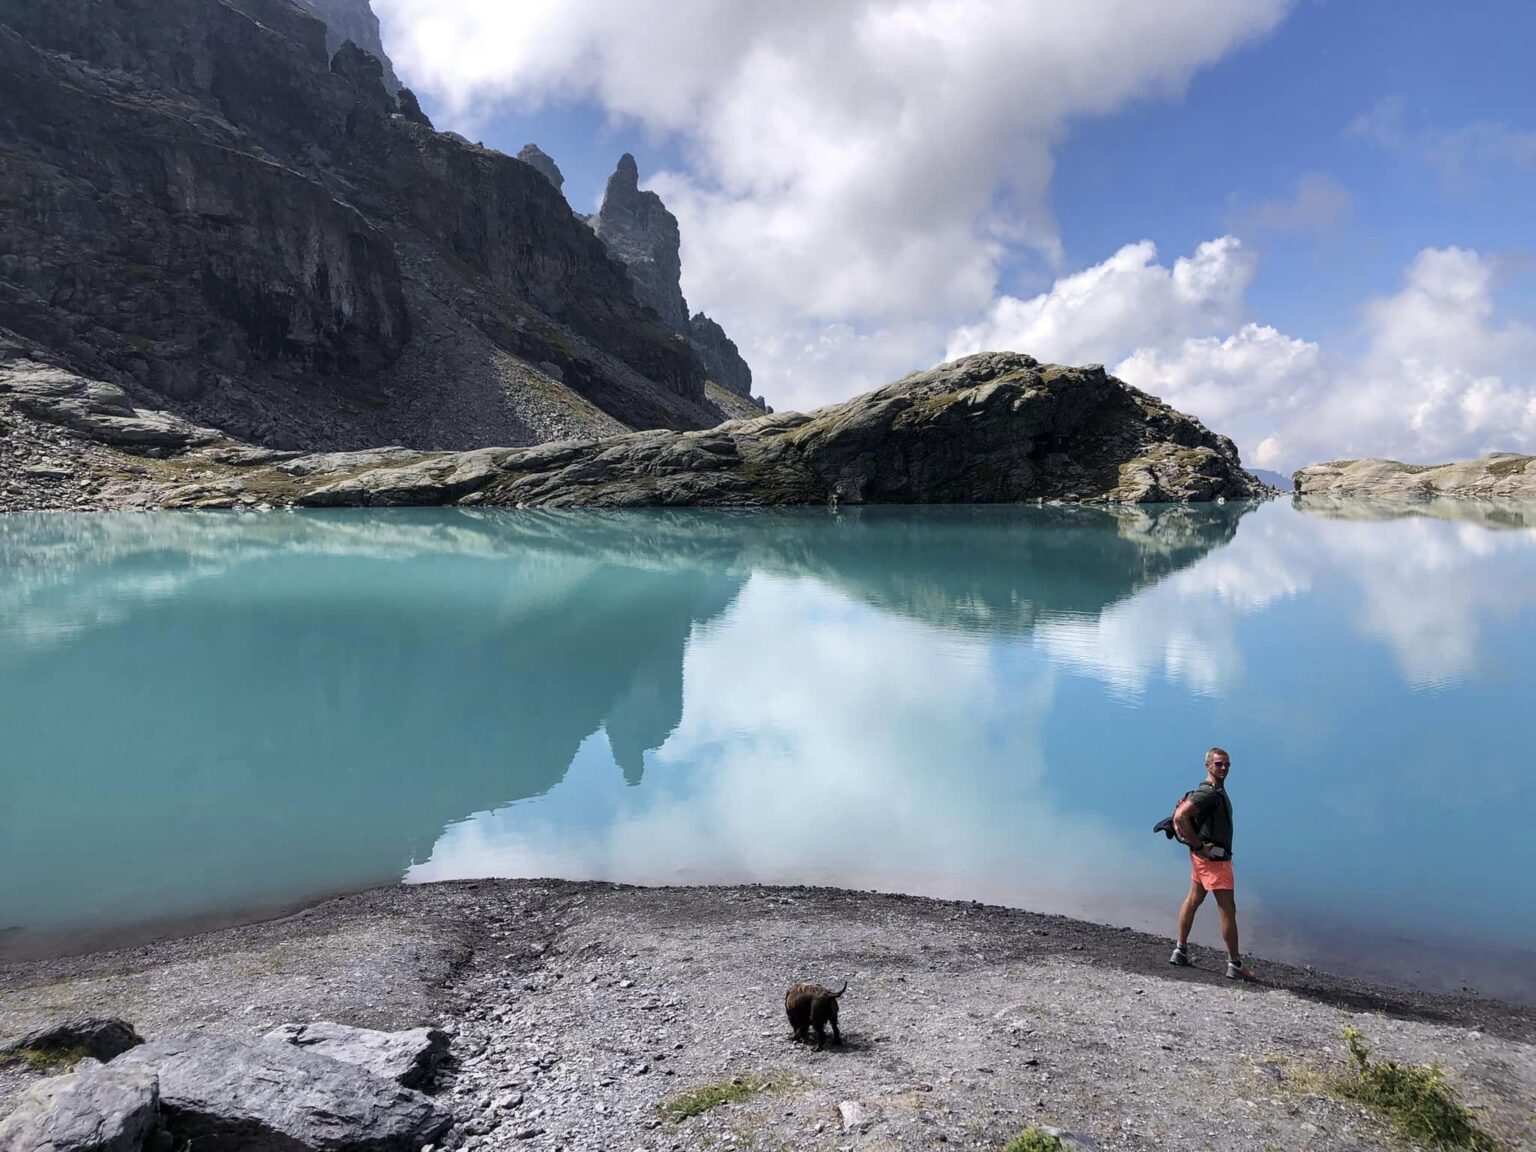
pixel 208 715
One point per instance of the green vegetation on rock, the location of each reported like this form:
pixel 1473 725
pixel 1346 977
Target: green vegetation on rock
pixel 1415 1097
pixel 697 1101
pixel 45 1060
pixel 1033 1139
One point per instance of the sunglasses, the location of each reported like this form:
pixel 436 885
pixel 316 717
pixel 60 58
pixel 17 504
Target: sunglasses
pixel 1221 763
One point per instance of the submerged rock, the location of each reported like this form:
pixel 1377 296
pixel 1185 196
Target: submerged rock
pixel 1496 474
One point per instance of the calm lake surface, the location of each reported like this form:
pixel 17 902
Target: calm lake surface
pixel 205 714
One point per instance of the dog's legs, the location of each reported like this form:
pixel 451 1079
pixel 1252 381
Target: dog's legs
pixel 837 1037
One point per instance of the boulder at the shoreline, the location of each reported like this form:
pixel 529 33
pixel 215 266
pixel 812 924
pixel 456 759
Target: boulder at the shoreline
pixel 408 1058
pixel 96 1108
pixel 1503 475
pixel 323 1087
pixel 996 427
pixel 226 1092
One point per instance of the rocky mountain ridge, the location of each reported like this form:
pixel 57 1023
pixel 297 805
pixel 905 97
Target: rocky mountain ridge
pixel 639 231
pixel 990 428
pixel 353 20
pixel 202 206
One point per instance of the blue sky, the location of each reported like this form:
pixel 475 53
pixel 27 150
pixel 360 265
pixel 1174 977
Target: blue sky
pixel 1254 123
pixel 867 188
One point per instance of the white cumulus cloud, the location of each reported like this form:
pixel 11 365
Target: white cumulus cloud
pixel 1127 302
pixel 1441 375
pixel 868 164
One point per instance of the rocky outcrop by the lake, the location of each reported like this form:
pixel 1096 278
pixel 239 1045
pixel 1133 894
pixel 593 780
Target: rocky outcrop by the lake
pixel 204 206
pixel 1496 475
pixel 94 1108
pixel 989 428
pixel 639 231
pixel 317 1087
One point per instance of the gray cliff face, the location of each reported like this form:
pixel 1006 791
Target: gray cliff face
pixel 353 20
pixel 202 206
pixel 638 229
pixel 718 351
pixel 640 232
pixel 1497 475
pixel 533 155
pixel 992 428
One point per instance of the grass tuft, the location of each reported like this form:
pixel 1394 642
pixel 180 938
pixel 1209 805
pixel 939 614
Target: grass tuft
pixel 697 1101
pixel 1033 1139
pixel 1415 1097
pixel 48 1060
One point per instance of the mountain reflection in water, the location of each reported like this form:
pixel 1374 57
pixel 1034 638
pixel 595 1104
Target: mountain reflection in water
pixel 996 703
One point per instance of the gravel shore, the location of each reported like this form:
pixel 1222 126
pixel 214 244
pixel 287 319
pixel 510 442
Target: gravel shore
pixel 580 1009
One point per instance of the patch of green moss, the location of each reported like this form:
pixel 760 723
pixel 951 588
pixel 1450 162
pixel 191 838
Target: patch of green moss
pixel 1033 1139
pixel 697 1101
pixel 1510 466
pixel 50 1061
pixel 1414 1097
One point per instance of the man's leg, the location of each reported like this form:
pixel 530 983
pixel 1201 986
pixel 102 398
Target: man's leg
pixel 1226 908
pixel 1191 905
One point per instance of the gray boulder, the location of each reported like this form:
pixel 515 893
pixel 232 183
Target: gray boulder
pixel 99 1108
pixel 229 1094
pixel 100 1037
pixel 407 1058
pixel 97 409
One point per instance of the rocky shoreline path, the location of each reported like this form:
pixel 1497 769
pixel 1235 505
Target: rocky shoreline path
pixel 591 1015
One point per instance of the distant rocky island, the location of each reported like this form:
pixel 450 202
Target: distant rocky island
pixel 1496 475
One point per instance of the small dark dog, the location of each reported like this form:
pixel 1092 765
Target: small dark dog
pixel 812 1006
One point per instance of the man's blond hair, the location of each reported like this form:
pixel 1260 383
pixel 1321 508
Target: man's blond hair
pixel 1218 752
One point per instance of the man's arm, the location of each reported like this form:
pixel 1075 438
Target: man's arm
pixel 1184 817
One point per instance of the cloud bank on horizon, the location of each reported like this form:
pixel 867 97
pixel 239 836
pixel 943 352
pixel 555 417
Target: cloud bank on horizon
pixel 858 182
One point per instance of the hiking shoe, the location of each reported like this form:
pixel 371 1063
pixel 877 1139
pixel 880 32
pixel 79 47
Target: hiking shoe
pixel 1237 972
pixel 1179 957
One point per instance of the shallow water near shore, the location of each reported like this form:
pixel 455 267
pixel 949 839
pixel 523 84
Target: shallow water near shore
pixel 205 713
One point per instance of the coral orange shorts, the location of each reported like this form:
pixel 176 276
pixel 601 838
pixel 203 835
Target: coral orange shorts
pixel 1212 875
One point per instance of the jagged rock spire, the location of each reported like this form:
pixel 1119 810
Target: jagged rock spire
pixel 638 229
pixel 535 156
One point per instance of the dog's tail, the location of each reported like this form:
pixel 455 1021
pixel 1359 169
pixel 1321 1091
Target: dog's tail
pixel 840 991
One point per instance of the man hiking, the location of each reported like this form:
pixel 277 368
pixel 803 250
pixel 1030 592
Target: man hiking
pixel 1203 821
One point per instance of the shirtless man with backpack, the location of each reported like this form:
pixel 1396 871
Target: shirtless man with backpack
pixel 1203 821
